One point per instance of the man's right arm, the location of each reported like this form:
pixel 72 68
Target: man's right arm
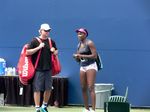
pixel 34 50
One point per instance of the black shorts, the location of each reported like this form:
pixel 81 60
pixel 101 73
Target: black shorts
pixel 42 81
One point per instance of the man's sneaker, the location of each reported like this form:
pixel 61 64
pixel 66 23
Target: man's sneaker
pixel 92 110
pixel 38 111
pixel 85 110
pixel 44 109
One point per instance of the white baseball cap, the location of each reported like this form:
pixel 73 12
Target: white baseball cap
pixel 45 26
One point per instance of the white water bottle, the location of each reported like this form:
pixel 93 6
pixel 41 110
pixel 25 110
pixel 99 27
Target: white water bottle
pixel 6 71
pixel 13 71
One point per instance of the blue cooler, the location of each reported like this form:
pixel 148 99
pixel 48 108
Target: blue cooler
pixel 2 66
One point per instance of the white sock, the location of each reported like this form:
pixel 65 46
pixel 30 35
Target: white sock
pixel 44 105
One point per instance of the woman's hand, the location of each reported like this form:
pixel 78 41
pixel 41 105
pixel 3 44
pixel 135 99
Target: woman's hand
pixel 77 56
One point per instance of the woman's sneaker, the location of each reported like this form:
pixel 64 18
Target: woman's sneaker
pixel 44 109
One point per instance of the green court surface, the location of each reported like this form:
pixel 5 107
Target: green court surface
pixel 55 109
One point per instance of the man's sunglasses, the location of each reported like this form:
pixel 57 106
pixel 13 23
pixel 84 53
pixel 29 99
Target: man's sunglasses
pixel 47 30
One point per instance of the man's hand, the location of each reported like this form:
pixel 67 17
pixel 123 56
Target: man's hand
pixel 52 49
pixel 41 45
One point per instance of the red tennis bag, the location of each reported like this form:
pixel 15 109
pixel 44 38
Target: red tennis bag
pixel 56 67
pixel 25 67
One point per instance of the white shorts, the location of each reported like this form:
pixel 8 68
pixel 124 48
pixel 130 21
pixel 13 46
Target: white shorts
pixel 88 67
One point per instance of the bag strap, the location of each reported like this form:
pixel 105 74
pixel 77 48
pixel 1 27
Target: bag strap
pixel 38 57
pixel 50 43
